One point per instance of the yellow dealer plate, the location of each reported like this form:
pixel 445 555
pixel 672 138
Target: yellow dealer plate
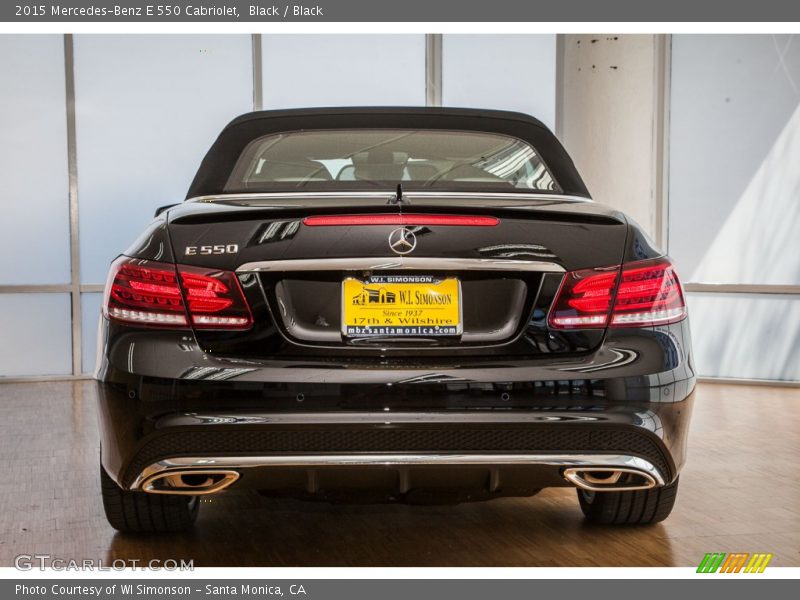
pixel 401 305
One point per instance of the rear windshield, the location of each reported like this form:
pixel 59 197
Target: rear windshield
pixel 368 159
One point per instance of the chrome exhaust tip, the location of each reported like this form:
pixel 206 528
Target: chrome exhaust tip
pixel 192 482
pixel 609 479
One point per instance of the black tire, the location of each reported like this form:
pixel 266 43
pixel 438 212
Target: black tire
pixel 640 507
pixel 131 512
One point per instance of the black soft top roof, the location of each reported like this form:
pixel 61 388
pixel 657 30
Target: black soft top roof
pixel 218 163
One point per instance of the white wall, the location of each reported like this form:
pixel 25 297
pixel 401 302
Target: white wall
pixel 734 176
pixel 350 70
pixel 746 336
pixel 33 161
pixel 609 104
pixel 35 334
pixel 34 230
pixel 734 203
pixel 508 72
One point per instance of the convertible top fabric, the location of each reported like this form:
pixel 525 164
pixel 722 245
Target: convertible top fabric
pixel 218 163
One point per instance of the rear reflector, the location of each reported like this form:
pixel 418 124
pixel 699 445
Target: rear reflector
pixel 648 293
pixel 414 219
pixel 149 293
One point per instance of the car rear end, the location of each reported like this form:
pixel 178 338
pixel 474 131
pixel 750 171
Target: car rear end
pixel 294 344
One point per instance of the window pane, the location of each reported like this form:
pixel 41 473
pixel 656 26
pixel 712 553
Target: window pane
pixel 365 158
pixel 508 72
pixel 343 70
pixel 746 335
pixel 33 160
pixel 148 108
pixel 90 317
pixel 734 208
pixel 37 336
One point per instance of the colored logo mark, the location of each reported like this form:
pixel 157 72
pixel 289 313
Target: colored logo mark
pixel 736 562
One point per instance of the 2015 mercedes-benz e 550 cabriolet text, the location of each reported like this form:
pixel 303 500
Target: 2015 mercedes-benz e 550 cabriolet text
pixel 391 304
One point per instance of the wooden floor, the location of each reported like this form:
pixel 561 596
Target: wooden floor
pixel 739 492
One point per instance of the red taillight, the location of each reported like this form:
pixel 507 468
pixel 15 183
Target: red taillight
pixel 648 293
pixel 420 220
pixel 215 299
pixel 149 293
pixel 144 292
pixel 584 299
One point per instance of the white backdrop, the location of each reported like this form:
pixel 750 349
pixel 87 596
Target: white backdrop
pixel 734 201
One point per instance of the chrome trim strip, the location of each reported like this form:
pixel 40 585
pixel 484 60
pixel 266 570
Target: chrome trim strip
pixel 381 418
pixel 385 195
pixel 210 463
pixel 399 263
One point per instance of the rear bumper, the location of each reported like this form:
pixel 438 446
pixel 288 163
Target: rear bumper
pixel 490 452
pixel 310 441
pixel 499 428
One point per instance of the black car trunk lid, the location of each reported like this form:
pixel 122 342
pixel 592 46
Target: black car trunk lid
pixel 292 270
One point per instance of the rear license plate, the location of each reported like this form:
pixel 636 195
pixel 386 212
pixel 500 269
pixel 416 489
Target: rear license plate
pixel 401 305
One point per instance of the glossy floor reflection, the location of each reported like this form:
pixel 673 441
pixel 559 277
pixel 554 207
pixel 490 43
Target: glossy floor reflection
pixel 739 493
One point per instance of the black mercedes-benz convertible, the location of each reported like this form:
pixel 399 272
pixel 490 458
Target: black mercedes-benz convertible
pixel 391 304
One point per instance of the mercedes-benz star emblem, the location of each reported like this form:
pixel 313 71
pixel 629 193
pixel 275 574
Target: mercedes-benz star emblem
pixel 402 240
